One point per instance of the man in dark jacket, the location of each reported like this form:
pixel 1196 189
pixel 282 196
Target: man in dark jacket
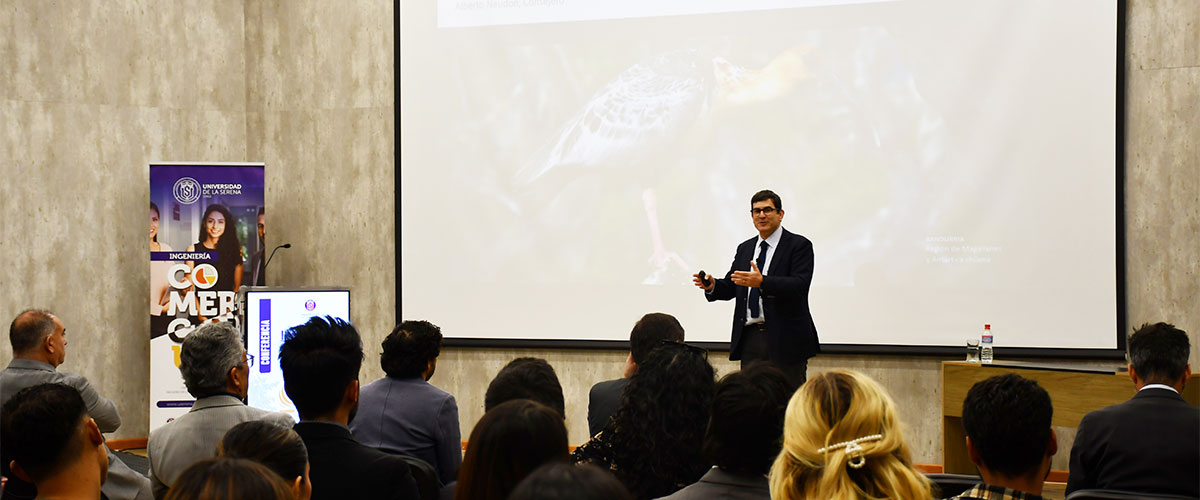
pixel 320 361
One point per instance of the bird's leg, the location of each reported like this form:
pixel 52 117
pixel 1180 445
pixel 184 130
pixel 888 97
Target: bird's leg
pixel 661 258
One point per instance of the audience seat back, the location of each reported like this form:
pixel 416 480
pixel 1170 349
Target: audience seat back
pixel 1099 494
pixel 428 484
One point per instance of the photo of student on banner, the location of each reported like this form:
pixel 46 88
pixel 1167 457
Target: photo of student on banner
pixel 218 233
pixel 158 278
pixel 256 264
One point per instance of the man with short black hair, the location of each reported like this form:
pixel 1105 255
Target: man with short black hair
pixel 216 371
pixel 526 378
pixel 1007 419
pixel 744 434
pixel 403 413
pixel 320 361
pixel 39 343
pixel 648 333
pixel 1151 443
pixel 769 282
pixel 53 443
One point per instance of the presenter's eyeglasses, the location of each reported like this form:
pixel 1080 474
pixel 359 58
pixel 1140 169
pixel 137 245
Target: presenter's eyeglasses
pixel 249 361
pixel 699 351
pixel 763 210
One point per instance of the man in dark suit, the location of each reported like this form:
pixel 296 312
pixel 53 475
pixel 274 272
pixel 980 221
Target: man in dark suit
pixel 648 333
pixel 769 280
pixel 1148 444
pixel 320 361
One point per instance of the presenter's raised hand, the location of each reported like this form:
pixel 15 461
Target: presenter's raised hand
pixel 752 278
pixel 712 282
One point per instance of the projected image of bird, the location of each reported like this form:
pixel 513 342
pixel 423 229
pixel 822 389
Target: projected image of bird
pixel 636 115
pixel 634 136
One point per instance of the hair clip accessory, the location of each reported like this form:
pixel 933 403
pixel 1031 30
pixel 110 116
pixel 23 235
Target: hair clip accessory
pixel 853 449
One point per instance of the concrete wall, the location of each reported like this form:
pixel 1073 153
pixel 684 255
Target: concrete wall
pixel 94 91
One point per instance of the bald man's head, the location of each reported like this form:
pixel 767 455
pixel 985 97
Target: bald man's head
pixel 38 334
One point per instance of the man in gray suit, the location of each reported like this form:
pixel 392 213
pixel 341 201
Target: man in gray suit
pixel 216 371
pixel 39 344
pixel 744 434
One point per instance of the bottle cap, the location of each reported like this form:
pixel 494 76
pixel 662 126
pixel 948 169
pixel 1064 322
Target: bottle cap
pixel 987 326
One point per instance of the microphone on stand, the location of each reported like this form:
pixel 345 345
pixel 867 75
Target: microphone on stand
pixel 285 245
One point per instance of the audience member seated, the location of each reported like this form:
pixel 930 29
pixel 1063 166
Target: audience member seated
pixel 1007 419
pixel 526 378
pixel 1149 443
pixel 277 447
pixel 509 442
pixel 53 443
pixel 558 480
pixel 648 333
pixel 39 346
pixel 403 413
pixel 320 361
pixel 226 478
pixel 743 435
pixel 841 440
pixel 654 441
pixel 214 368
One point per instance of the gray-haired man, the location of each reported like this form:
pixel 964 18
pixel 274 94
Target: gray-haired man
pixel 214 366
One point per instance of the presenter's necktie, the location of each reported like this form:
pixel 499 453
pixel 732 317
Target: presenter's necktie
pixel 754 292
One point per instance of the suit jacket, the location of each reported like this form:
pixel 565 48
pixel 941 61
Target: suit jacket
pixel 603 401
pixel 123 483
pixel 257 267
pixel 342 468
pixel 1149 444
pixel 411 417
pixel 194 436
pixel 724 485
pixel 791 333
pixel 22 373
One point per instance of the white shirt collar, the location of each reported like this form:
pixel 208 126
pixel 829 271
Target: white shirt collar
pixel 1158 386
pixel 773 239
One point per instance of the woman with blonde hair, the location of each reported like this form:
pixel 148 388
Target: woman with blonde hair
pixel 842 441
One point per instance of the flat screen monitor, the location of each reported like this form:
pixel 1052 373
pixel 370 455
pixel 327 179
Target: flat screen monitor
pixel 271 311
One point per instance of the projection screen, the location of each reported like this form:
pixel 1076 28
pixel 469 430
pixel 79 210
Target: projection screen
pixel 565 166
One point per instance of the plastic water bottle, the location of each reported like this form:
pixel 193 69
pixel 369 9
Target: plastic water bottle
pixel 985 345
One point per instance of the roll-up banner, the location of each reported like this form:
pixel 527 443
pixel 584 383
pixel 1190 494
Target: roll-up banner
pixel 206 240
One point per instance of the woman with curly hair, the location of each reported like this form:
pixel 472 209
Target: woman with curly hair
pixel 842 441
pixel 653 442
